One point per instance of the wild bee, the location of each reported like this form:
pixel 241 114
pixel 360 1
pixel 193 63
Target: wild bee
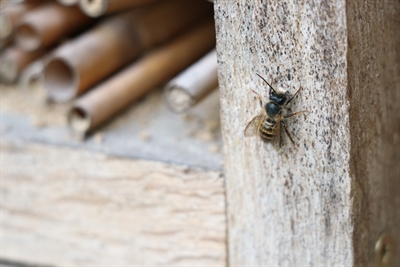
pixel 268 123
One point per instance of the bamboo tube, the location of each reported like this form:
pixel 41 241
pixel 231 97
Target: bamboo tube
pixel 31 84
pixel 97 8
pixel 11 15
pixel 31 75
pixel 193 84
pixel 68 2
pixel 13 61
pixel 153 69
pixel 82 63
pixel 46 25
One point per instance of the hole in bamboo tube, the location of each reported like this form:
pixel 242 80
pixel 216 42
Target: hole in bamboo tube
pixel 94 8
pixel 31 76
pixel 79 120
pixel 27 37
pixel 69 2
pixel 60 80
pixel 178 99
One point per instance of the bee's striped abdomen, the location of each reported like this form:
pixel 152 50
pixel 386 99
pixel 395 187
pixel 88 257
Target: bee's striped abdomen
pixel 267 130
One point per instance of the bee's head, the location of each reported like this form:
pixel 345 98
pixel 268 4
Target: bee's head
pixel 278 97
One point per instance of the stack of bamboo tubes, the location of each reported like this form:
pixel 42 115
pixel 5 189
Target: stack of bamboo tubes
pixel 101 56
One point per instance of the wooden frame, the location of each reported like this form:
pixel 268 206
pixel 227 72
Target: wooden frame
pixel 331 199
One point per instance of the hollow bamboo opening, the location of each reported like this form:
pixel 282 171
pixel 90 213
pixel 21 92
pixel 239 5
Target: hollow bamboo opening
pixel 94 8
pixel 68 2
pixel 27 37
pixel 178 99
pixel 79 120
pixel 60 79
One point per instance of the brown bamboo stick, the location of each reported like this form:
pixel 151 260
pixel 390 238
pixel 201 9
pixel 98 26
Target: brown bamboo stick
pixel 14 60
pixel 193 84
pixel 157 67
pixel 11 15
pixel 97 8
pixel 47 24
pixel 82 63
pixel 68 2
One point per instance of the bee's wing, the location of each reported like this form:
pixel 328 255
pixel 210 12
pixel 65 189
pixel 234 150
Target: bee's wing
pixel 277 129
pixel 252 127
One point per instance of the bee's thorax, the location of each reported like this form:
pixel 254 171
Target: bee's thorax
pixel 272 109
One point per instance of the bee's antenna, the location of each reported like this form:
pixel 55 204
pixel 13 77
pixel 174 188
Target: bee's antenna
pixel 266 82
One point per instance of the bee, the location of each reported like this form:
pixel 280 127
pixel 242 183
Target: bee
pixel 271 119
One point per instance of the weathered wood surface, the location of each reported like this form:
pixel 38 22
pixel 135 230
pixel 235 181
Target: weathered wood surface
pixel 374 93
pixel 312 204
pixel 62 206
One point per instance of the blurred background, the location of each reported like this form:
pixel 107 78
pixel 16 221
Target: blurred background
pixel 110 133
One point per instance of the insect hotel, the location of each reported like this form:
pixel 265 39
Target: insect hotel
pixel 200 133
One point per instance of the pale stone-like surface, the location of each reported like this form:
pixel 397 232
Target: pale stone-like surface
pixel 61 206
pixel 291 207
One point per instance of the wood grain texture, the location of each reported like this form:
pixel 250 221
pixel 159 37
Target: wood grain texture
pixel 291 207
pixel 69 207
pixel 374 92
pixel 326 200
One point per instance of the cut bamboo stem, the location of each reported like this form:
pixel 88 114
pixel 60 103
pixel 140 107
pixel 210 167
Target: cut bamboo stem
pixel 82 63
pixel 101 7
pixel 46 25
pixel 68 2
pixel 11 15
pixel 31 75
pixel 115 94
pixel 13 61
pixel 193 84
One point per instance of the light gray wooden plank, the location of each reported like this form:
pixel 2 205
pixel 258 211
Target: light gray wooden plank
pixel 62 206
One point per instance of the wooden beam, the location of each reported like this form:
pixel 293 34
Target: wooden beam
pixel 314 202
pixel 374 114
pixel 62 206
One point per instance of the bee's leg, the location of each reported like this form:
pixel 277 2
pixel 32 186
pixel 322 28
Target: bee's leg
pixel 280 135
pixel 298 90
pixel 295 113
pixel 287 132
pixel 259 98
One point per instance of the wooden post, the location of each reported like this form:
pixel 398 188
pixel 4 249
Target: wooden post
pixel 327 199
